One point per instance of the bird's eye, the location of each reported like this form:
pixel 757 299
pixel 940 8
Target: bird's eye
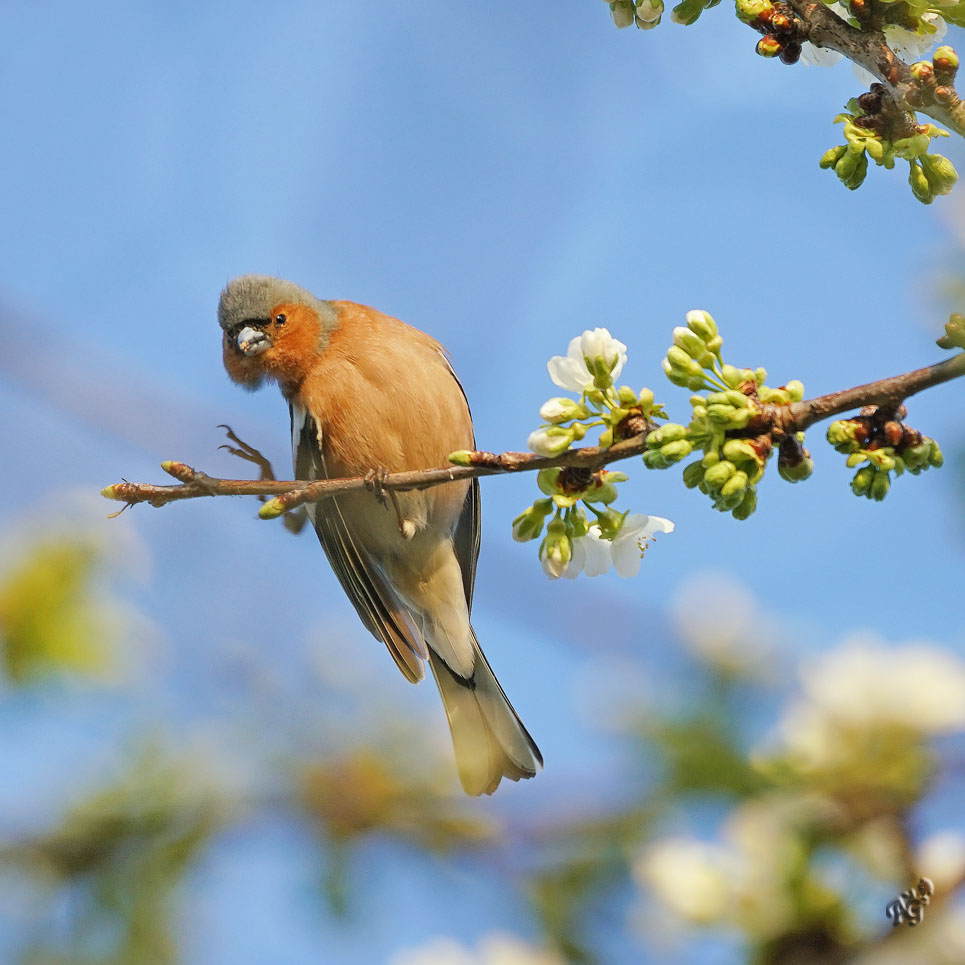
pixel 280 319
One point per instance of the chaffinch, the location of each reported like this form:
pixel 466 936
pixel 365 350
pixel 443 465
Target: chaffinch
pixel 367 393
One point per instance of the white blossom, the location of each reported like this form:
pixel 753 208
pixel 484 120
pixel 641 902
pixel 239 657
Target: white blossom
pixel 595 347
pixel 634 536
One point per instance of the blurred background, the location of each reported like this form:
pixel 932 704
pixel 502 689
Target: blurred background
pixel 750 749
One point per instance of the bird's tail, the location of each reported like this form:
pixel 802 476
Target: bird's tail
pixel 489 739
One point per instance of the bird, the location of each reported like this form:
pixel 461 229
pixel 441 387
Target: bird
pixel 370 395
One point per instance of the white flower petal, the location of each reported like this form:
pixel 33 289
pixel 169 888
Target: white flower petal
pixel 818 56
pixel 597 553
pixel 569 373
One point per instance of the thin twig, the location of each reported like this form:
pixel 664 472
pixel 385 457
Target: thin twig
pixel 782 420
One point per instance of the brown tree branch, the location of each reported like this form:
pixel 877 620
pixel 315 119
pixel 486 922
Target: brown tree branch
pixel 781 420
pixel 868 49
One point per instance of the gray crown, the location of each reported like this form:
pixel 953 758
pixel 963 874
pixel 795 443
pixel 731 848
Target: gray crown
pixel 253 297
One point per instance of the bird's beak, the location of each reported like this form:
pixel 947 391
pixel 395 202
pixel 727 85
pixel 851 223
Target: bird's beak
pixel 252 341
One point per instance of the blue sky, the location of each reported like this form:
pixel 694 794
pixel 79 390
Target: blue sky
pixel 503 176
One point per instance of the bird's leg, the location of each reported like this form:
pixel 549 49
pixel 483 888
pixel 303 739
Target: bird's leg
pixel 374 482
pixel 249 454
pixel 295 519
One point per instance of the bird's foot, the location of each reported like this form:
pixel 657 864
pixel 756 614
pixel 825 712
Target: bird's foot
pixel 375 483
pixel 242 450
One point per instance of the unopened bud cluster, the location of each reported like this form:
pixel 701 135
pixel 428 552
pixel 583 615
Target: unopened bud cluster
pixel 935 79
pixel 727 424
pixel 566 489
pixel 879 443
pixel 954 336
pixel 646 14
pixel 573 542
pixel 875 127
pixel 784 31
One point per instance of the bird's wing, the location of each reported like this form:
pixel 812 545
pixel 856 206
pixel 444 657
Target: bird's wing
pixel 465 537
pixel 465 540
pixel 377 604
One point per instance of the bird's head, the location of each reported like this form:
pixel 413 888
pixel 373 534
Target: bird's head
pixel 272 329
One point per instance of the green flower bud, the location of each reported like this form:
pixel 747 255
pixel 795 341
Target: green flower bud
pixel 875 149
pixel 645 398
pixel 578 430
pixel 675 451
pixel 622 12
pixel 693 474
pixel 747 505
pixel 272 509
pixel 702 323
pixel 841 433
pixel 710 459
pixel 935 459
pixel 795 389
pixel 735 486
pixel 556 550
pixel 679 359
pixel 715 476
pixel 714 345
pixel 690 342
pixel 576 524
pixel 737 399
pixel 671 432
pixel 750 11
pixel 561 409
pixel 861 484
pixel 831 157
pixel 461 457
pixel 626 396
pixel 798 472
pixel 856 458
pixel 740 450
pixel 880 485
pixel 883 459
pixel 732 376
pixel 655 459
pixel 939 172
pixel 771 396
pixel 954 336
pixel 606 438
pixel 769 46
pixel 529 523
pixel 683 379
pixel 945 60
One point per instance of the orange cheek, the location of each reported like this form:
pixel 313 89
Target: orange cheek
pixel 246 372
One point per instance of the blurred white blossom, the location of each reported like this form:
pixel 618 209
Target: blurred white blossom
pixel 720 621
pixel 497 948
pixel 743 880
pixel 866 710
pixel 942 858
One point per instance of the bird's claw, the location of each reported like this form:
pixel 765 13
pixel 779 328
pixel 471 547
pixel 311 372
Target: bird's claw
pixel 375 483
pixel 242 450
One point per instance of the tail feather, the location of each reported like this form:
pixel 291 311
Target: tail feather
pixel 489 739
